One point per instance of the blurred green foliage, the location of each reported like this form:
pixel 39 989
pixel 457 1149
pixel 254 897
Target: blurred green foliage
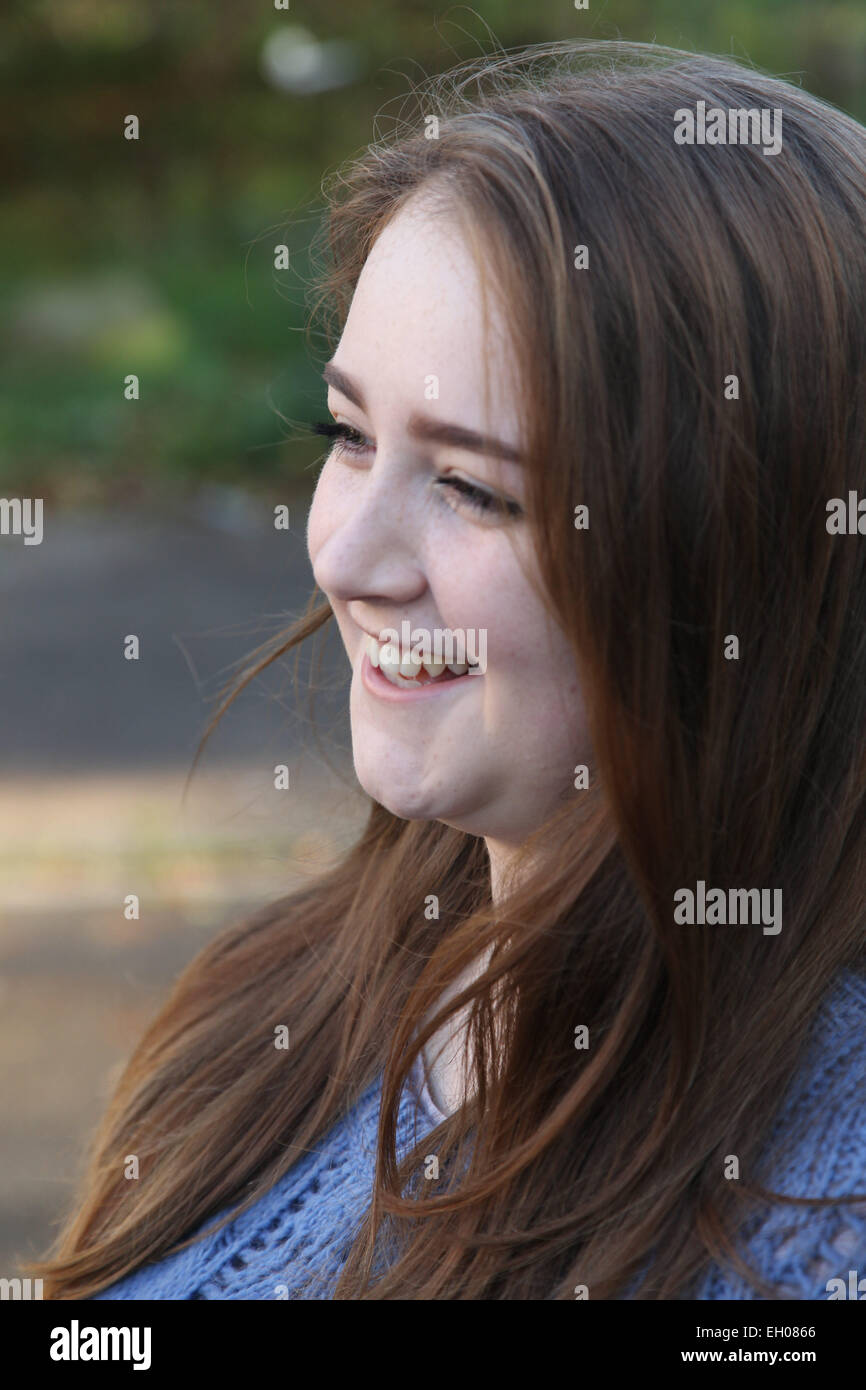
pixel 155 256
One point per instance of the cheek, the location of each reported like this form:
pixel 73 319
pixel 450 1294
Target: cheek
pixel 546 689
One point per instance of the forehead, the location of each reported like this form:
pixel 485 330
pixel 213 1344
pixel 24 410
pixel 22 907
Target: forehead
pixel 416 333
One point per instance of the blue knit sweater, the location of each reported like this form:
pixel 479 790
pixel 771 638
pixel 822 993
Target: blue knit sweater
pixel 293 1241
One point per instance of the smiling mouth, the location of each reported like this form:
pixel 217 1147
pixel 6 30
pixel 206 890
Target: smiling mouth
pixel 410 674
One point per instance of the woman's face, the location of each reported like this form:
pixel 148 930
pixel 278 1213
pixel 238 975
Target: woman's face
pixel 392 537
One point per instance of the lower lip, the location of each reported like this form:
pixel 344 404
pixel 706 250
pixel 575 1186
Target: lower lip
pixel 377 684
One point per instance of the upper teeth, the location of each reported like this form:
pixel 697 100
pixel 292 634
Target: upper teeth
pixel 408 667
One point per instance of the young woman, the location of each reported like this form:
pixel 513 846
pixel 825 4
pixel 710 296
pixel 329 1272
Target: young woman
pixel 583 1014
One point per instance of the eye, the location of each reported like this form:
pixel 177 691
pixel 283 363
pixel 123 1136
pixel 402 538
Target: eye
pixel 349 440
pixel 345 437
pixel 478 498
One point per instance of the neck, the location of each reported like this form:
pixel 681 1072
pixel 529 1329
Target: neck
pixel 502 859
pixel 445 1053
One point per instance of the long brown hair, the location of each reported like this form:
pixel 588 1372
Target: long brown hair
pixel 707 514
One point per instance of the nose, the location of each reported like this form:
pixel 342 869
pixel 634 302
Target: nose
pixel 369 541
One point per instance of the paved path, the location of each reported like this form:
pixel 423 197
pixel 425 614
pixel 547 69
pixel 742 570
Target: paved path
pixel 199 591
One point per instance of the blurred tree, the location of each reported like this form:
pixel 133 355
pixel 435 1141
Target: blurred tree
pixel 230 148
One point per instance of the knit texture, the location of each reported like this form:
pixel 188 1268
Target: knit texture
pixel 293 1242
pixel 816 1148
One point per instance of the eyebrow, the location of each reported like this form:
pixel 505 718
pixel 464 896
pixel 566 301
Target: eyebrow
pixel 424 427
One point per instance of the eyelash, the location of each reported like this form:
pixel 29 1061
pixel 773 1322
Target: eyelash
pixel 346 437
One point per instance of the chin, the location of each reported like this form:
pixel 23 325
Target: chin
pixel 404 806
pixel 407 802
